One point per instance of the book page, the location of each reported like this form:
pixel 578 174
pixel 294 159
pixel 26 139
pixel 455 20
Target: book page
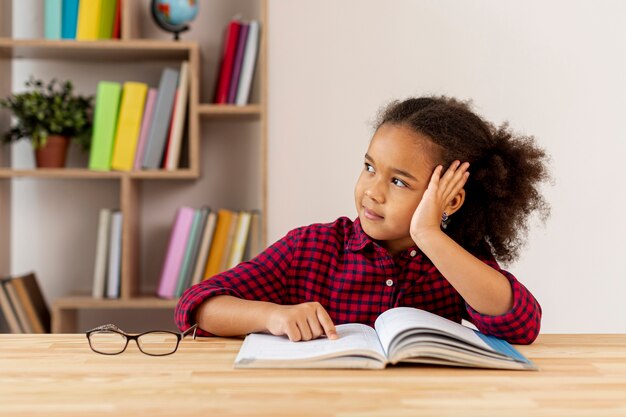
pixel 354 339
pixel 397 320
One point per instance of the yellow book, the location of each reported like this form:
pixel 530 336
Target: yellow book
pixel 218 246
pixel 128 125
pixel 88 22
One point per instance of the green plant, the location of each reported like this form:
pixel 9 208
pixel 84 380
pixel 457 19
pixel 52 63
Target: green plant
pixel 49 109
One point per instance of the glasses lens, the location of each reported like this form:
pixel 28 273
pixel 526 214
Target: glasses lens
pixel 158 343
pixel 106 342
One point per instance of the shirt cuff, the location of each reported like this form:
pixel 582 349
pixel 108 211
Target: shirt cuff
pixel 519 325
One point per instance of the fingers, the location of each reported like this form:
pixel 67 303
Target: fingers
pixel 326 322
pixel 453 180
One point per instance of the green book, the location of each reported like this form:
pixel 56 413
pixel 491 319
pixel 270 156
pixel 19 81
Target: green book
pixel 191 248
pixel 107 16
pixel 104 125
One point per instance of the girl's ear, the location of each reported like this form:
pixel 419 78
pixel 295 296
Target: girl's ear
pixel 456 203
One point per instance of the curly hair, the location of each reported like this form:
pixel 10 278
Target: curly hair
pixel 506 171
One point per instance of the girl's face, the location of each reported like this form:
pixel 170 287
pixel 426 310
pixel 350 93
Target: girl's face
pixel 397 170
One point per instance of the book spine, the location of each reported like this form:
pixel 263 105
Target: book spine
pixel 104 125
pixel 239 241
pixel 102 253
pixel 128 125
pixel 69 19
pixel 88 20
pixel 178 119
pixel 249 64
pixel 230 48
pixel 107 17
pixel 115 256
pixel 222 228
pixel 53 19
pixel 8 309
pixel 146 121
pixel 241 48
pixel 175 251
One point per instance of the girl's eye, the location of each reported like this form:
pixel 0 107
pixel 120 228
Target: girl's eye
pixel 369 168
pixel 398 182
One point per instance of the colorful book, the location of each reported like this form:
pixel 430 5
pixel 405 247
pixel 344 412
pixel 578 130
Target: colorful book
pixel 240 239
pixel 8 310
pixel 158 134
pixel 128 125
pixel 102 253
pixel 53 16
pixel 69 19
pixel 146 121
pixel 218 247
pixel 228 246
pixel 191 250
pixel 115 256
pixel 104 125
pixel 255 239
pixel 117 21
pixel 241 48
pixel 32 300
pixel 88 26
pixel 249 64
pixel 107 19
pixel 205 245
pixel 228 59
pixel 178 119
pixel 175 252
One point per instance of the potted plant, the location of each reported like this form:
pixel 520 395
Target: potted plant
pixel 50 115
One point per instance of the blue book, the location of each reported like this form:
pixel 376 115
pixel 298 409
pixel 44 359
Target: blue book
pixel 69 19
pixel 52 19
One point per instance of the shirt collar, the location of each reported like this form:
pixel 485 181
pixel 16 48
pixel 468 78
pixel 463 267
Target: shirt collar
pixel 358 238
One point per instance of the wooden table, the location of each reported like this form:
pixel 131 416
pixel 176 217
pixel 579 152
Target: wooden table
pixel 58 375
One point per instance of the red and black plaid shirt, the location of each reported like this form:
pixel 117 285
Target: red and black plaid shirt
pixel 355 279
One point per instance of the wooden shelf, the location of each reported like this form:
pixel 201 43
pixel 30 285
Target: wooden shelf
pixel 103 50
pixel 216 111
pixel 85 302
pixel 86 174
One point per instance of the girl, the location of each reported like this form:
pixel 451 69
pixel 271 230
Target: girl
pixel 427 235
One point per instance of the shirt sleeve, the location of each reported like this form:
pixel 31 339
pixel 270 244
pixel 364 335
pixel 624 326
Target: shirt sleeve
pixel 262 279
pixel 521 324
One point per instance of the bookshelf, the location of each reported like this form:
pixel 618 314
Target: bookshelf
pixel 239 129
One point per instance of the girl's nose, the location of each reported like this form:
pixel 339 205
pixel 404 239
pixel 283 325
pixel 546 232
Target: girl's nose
pixel 375 192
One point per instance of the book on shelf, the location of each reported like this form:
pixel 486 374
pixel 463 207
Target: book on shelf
pixel 241 48
pixel 175 139
pixel 146 121
pixel 218 246
pixel 240 238
pixel 203 252
pixel 104 125
pixel 95 19
pixel 249 64
pixel 53 19
pixel 102 253
pixel 69 19
pixel 159 129
pixel 117 21
pixel 114 270
pixel 179 234
pixel 191 251
pixel 229 51
pixel 128 125
pixel 400 335
pixel 23 304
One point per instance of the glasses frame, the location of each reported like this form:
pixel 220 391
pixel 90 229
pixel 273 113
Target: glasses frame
pixel 127 337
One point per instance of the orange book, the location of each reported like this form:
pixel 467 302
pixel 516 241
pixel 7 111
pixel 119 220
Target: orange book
pixel 219 244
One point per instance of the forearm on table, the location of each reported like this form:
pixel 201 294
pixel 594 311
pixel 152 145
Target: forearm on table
pixel 225 315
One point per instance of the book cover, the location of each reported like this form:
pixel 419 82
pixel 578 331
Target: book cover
pixel 205 245
pixel 8 310
pixel 228 245
pixel 104 125
pixel 107 19
pixel 115 256
pixel 53 17
pixel 254 245
pixel 117 21
pixel 69 19
pixel 157 136
pixel 218 247
pixel 128 125
pixel 34 304
pixel 146 121
pixel 173 259
pixel 18 307
pixel 249 64
pixel 191 250
pixel 240 239
pixel 228 59
pixel 88 24
pixel 178 119
pixel 400 335
pixel 241 48
pixel 102 253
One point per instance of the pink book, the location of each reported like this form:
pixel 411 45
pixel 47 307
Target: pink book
pixel 175 252
pixel 145 127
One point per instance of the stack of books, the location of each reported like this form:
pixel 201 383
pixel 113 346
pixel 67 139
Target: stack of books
pixel 239 55
pixel 108 259
pixel 203 243
pixel 137 127
pixel 23 306
pixel 82 19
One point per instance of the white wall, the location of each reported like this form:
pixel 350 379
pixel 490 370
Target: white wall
pixel 554 69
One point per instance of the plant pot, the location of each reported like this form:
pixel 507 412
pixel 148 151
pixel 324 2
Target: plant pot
pixel 53 153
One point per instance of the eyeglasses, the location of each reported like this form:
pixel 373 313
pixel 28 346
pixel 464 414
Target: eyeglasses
pixel 111 340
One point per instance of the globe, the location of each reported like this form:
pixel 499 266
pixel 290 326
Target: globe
pixel 174 15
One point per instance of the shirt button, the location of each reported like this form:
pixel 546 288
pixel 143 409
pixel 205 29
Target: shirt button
pixel 413 253
pixel 389 282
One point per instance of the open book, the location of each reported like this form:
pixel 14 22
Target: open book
pixel 401 334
